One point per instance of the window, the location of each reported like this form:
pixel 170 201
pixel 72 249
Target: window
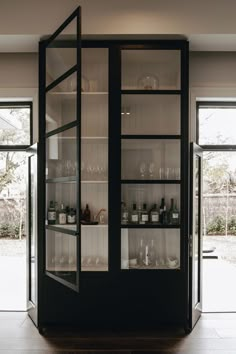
pixel 15 123
pixel 216 123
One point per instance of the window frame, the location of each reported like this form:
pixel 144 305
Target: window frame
pixel 226 104
pixel 19 104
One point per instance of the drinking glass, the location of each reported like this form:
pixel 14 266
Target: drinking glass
pixel 142 169
pixel 59 169
pixel 177 173
pixel 168 173
pixel 151 169
pixel 82 169
pixel 161 173
pixel 90 172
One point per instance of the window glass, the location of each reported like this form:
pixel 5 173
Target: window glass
pixel 15 124
pixel 217 124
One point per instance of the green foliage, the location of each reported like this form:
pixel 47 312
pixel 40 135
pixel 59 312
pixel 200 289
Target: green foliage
pixel 9 231
pixel 218 224
pixel 232 226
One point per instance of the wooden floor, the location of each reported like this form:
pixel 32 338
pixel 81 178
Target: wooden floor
pixel 214 334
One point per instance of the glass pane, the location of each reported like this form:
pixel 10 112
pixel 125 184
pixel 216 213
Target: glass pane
pixel 14 124
pixel 61 155
pixel 94 248
pixel 144 204
pixel 94 116
pixel 196 230
pixel 94 161
pixel 61 259
pixel 61 103
pixel 150 159
pixel 217 125
pixel 219 230
pixel 150 249
pixel 151 69
pixel 61 205
pixel 150 114
pixel 95 70
pixel 60 59
pixel 33 228
pixel 13 173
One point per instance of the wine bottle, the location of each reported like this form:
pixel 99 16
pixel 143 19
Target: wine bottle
pixel 175 215
pixel 124 213
pixel 51 213
pixel 134 215
pixel 170 212
pixel 87 214
pixel 62 215
pixel 71 216
pixel 144 215
pixel 154 215
pixel 162 206
pixel 163 213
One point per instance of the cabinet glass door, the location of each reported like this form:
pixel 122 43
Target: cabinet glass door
pixel 150 158
pixel 94 160
pixel 61 140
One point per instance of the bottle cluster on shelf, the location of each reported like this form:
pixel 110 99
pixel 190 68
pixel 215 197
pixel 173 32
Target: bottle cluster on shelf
pixel 87 218
pixel 67 215
pixel 62 215
pixel 147 256
pixel 154 215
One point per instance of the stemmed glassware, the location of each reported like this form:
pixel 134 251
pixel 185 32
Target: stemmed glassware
pixel 142 169
pixel 151 170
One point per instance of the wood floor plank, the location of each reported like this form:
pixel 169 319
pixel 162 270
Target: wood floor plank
pixel 212 335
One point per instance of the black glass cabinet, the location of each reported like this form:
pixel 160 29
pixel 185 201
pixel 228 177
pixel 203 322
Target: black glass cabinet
pixel 114 182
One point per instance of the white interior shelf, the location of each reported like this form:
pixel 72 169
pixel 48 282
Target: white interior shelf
pixel 95 226
pixel 94 137
pixel 75 92
pixel 94 182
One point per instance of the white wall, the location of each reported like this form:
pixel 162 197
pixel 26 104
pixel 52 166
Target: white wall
pixel 19 81
pixel 212 75
pixel 123 16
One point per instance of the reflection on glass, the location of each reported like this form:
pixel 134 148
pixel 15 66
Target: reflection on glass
pixel 94 163
pixel 60 59
pixel 150 114
pixel 33 227
pixel 61 103
pixel 150 159
pixel 94 249
pixel 61 257
pixel 150 69
pixel 150 249
pixel 61 154
pixel 196 229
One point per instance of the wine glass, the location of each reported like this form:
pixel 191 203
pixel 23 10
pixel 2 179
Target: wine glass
pixel 151 169
pixel 142 169
pixel 90 171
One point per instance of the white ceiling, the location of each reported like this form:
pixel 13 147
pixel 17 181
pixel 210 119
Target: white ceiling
pixel 208 24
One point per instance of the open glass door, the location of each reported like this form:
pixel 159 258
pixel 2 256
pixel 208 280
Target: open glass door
pixel 32 239
pixel 60 94
pixel 195 238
